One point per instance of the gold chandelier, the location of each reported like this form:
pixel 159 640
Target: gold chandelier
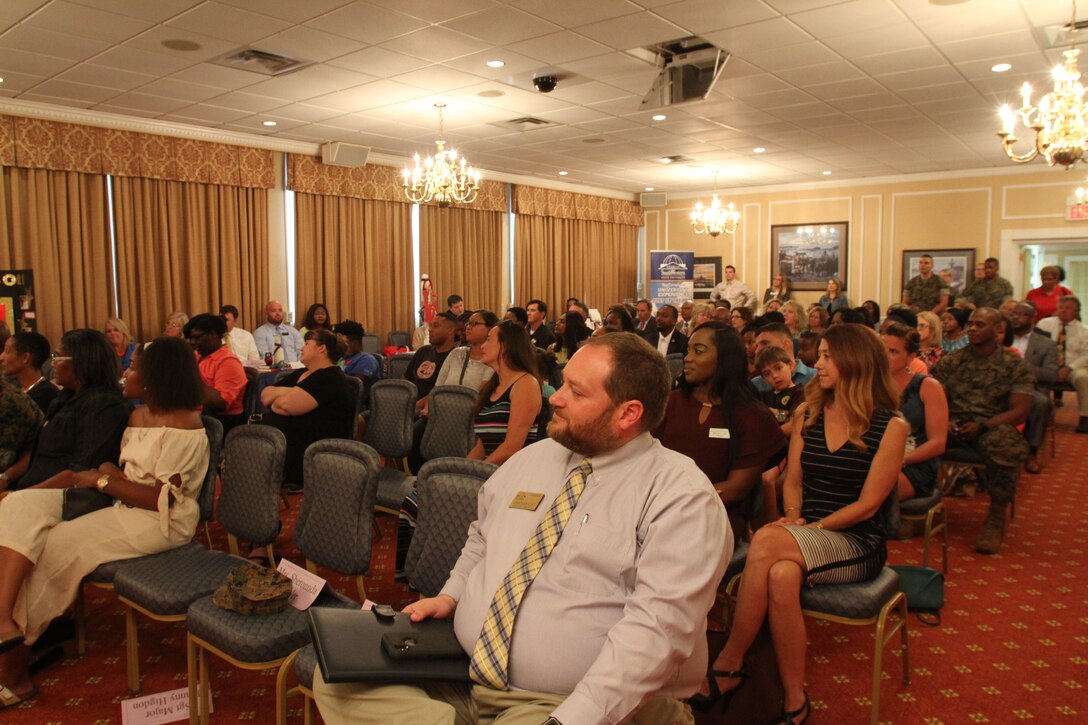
pixel 1060 121
pixel 714 219
pixel 440 178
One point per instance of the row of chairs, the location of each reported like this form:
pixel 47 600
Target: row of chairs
pixel 333 531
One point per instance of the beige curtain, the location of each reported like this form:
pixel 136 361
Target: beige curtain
pixel 554 259
pixel 188 247
pixel 355 256
pixel 56 224
pixel 461 250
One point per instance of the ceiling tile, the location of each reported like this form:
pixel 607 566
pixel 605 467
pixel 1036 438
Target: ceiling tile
pixel 61 45
pixel 290 10
pixel 144 102
pixel 242 101
pixel 756 37
pixel 899 60
pixel 366 23
pixel 309 44
pixel 309 82
pixel 15 83
pixel 886 39
pixel 379 62
pixel 122 80
pixel 715 14
pixel 156 11
pixel 919 78
pixel 436 44
pixel 203 113
pixel 1019 41
pixel 856 16
pixel 85 22
pixel 218 76
pixel 438 78
pixel 435 11
pixel 31 63
pixel 633 31
pixel 12 11
pixel 797 55
pixel 502 25
pixel 844 89
pixel 152 41
pixel 820 73
pixel 577 12
pixel 228 23
pixel 372 95
pixel 559 47
pixel 182 90
pixel 125 57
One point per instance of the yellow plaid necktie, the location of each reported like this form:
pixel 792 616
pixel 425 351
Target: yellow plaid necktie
pixel 277 352
pixel 491 657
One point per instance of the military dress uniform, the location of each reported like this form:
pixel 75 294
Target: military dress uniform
pixel 925 294
pixel 988 292
pixel 979 388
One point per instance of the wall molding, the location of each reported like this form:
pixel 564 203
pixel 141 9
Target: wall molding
pixel 1005 201
pixel 988 242
pixel 879 247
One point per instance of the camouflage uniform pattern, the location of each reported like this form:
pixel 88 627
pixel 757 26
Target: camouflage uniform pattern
pixel 978 388
pixel 988 292
pixel 925 294
pixel 20 418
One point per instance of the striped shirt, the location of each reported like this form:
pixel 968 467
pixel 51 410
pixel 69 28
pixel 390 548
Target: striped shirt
pixel 493 419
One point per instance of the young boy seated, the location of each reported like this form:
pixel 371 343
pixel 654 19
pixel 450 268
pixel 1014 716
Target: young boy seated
pixel 776 367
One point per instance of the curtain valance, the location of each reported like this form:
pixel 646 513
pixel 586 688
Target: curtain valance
pixel 34 143
pixel 535 201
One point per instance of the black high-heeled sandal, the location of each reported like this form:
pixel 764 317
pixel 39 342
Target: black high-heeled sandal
pixel 789 715
pixel 716 698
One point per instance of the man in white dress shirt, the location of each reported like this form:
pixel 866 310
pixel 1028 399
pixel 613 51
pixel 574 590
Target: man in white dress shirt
pixel 735 292
pixel 239 341
pixel 282 340
pixel 1071 336
pixel 613 626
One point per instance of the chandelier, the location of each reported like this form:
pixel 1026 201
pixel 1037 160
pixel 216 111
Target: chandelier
pixel 442 178
pixel 714 219
pixel 1059 121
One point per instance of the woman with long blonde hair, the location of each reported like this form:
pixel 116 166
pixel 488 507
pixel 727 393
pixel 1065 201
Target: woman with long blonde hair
pixel 929 338
pixel 795 317
pixel 842 467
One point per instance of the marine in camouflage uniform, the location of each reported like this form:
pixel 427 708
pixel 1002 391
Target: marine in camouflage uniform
pixel 925 294
pixel 984 381
pixel 988 292
pixel 20 418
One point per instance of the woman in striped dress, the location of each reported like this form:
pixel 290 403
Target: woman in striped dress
pixel 843 463
pixel 509 403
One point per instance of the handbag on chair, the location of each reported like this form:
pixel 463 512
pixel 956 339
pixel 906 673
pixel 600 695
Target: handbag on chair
pixel 924 587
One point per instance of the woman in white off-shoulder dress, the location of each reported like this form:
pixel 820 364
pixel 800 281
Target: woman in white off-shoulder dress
pixel 164 458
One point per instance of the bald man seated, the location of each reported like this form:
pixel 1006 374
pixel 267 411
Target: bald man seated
pixel 277 337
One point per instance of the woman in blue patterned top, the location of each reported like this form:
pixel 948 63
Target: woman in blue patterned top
pixel 843 463
pixel 509 404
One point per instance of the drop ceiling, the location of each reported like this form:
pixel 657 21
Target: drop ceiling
pixel 857 88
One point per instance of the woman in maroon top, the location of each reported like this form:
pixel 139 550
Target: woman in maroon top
pixel 716 419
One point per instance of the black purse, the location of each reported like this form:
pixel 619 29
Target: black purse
pixel 82 501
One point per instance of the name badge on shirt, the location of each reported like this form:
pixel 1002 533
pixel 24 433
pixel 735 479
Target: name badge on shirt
pixel 527 501
pixel 719 433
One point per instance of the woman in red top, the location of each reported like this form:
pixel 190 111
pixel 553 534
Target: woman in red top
pixel 1045 296
pixel 716 419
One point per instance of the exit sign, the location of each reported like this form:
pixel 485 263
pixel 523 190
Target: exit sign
pixel 1077 213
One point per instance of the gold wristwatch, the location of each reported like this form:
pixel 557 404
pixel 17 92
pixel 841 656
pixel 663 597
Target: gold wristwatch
pixel 103 481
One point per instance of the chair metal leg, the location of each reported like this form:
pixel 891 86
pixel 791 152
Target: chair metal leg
pixel 132 651
pixel 878 660
pixel 281 687
pixel 904 645
pixel 191 663
pixel 205 686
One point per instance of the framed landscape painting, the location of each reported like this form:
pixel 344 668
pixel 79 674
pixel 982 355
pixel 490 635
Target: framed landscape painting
pixel 706 276
pixel 810 254
pixel 954 266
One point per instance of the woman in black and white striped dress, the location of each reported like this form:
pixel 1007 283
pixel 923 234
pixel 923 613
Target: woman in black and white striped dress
pixel 843 463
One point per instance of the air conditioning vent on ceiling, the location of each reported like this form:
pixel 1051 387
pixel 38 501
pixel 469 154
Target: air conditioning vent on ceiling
pixel 338 153
pixel 526 123
pixel 260 61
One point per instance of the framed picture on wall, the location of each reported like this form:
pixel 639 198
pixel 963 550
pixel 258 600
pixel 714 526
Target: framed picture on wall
pixel 954 266
pixel 810 254
pixel 707 276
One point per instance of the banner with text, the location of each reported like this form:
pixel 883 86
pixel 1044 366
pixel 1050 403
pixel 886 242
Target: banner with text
pixel 672 279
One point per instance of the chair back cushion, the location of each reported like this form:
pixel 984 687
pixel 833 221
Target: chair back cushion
pixel 206 500
pixel 249 502
pixel 400 338
pixel 334 523
pixel 358 389
pixel 372 344
pixel 392 411
pixel 398 365
pixel 448 489
pixel 449 422
pixel 249 396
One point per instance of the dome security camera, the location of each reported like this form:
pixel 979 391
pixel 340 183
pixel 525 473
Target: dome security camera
pixel 545 84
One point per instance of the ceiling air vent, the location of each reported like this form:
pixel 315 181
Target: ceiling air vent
pixel 260 61
pixel 526 123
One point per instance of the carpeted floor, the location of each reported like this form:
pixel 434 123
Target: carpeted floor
pixel 1013 644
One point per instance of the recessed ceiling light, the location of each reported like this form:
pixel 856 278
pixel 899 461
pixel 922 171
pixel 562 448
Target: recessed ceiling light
pixel 1 80
pixel 491 94
pixel 495 63
pixel 665 160
pixel 563 173
pixel 1001 67
pixel 658 117
pixel 649 188
pixel 179 44
pixel 269 123
pixel 826 173
pixel 758 150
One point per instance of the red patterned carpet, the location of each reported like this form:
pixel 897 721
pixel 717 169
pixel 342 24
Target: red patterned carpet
pixel 1013 644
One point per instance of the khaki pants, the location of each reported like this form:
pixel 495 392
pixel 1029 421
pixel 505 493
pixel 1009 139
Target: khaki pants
pixel 438 703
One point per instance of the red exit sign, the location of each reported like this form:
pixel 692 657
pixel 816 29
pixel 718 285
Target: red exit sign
pixel 1077 213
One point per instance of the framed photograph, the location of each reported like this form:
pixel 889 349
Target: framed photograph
pixel 954 266
pixel 707 275
pixel 809 254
